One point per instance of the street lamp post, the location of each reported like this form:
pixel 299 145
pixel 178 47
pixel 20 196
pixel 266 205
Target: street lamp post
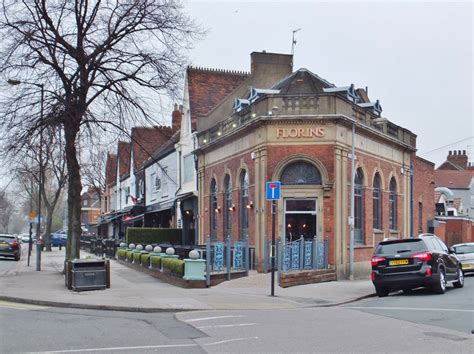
pixel 40 177
pixel 351 218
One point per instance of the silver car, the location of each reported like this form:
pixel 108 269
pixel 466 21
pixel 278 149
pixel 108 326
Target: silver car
pixel 465 253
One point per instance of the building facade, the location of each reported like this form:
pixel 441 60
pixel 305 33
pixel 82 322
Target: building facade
pixel 299 129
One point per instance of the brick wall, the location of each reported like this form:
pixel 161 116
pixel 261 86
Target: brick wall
pixel 232 167
pixel 424 194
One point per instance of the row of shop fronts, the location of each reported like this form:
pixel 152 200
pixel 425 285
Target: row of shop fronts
pixel 238 131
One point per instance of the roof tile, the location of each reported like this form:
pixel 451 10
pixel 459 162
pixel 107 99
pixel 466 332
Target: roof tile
pixel 145 141
pixel 208 87
pixel 111 169
pixel 123 158
pixel 453 178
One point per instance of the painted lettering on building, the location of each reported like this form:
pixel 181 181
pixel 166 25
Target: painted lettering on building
pixel 284 133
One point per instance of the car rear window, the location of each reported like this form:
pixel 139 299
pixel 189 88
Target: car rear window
pixel 464 249
pixel 397 247
pixel 7 238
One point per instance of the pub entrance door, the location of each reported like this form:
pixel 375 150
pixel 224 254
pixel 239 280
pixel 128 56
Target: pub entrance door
pixel 300 218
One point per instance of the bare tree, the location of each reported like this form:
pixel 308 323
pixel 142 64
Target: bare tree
pixel 49 170
pixel 104 61
pixel 94 170
pixel 6 211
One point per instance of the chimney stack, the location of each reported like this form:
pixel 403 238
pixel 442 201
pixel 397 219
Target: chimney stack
pixel 458 158
pixel 176 117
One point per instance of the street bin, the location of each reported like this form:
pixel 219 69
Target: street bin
pixel 88 274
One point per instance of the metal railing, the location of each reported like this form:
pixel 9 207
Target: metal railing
pixel 298 255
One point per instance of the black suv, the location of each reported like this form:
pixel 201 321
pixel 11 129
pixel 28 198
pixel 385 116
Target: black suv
pixel 415 262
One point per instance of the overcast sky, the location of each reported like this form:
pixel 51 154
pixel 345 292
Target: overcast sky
pixel 415 57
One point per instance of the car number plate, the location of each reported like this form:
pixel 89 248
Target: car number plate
pixel 3 244
pixel 466 266
pixel 399 262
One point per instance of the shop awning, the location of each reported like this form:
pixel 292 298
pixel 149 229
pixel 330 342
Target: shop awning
pixel 109 218
pixel 133 210
pixel 133 218
pixel 159 206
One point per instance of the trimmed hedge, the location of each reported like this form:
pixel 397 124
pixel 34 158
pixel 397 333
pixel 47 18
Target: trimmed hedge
pixel 149 235
pixel 136 257
pixel 174 265
pixel 145 260
pixel 121 253
pixel 130 256
pixel 155 261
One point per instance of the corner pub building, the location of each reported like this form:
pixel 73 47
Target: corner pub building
pixel 296 127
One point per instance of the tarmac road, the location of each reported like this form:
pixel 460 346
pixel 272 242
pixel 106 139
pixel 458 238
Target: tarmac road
pixel 31 328
pixel 453 310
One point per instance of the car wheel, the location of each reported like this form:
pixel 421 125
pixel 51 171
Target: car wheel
pixel 440 286
pixel 381 292
pixel 17 258
pixel 460 282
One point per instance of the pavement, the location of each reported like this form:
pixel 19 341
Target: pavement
pixel 132 290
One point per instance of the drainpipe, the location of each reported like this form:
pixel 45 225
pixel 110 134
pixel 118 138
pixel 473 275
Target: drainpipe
pixel 412 199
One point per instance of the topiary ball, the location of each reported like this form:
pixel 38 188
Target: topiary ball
pixel 131 246
pixel 123 244
pixel 170 251
pixel 149 248
pixel 139 247
pixel 194 254
pixel 157 249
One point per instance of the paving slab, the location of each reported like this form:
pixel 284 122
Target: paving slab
pixel 132 290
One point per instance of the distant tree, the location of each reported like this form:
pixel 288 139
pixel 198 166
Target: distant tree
pixel 103 61
pixel 93 168
pixel 6 211
pixel 49 170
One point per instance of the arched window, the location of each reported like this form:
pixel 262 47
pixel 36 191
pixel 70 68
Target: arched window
pixel 213 210
pixel 359 207
pixel 300 172
pixel 228 208
pixel 392 202
pixel 377 202
pixel 244 204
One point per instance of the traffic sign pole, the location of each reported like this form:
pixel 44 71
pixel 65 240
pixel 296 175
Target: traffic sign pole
pixel 273 246
pixel 273 193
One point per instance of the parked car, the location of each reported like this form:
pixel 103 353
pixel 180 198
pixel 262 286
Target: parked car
pixel 465 253
pixel 59 238
pixel 10 246
pixel 25 238
pixel 410 263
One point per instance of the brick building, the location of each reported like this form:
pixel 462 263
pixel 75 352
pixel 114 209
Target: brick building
pixel 296 128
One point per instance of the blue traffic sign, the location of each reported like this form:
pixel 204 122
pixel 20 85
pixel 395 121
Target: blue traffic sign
pixel 273 190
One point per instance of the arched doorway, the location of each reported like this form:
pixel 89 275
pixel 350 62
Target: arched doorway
pixel 300 209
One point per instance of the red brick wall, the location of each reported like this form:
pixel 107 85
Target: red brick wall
pixel 219 171
pixel 458 230
pixel 440 231
pixel 326 155
pixel 424 193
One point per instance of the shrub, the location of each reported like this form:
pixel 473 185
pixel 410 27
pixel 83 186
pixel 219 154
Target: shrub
pixel 136 257
pixel 149 235
pixel 130 256
pixel 121 253
pixel 155 261
pixel 174 265
pixel 145 260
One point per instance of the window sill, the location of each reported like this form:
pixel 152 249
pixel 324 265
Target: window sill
pixel 362 246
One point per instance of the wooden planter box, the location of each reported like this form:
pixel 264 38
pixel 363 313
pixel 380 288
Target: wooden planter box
pixel 306 277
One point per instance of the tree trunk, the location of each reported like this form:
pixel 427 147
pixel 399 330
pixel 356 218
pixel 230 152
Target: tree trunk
pixel 71 129
pixel 47 231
